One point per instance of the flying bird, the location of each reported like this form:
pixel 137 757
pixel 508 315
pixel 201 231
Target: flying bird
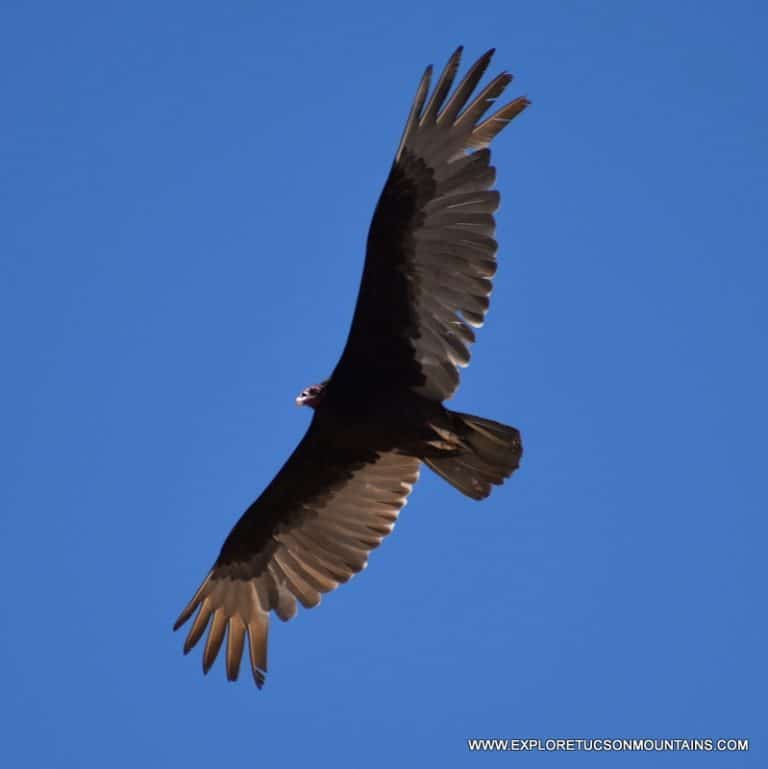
pixel 430 260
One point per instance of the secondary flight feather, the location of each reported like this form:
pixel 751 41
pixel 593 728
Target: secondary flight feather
pixel 427 279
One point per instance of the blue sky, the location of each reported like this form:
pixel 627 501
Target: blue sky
pixel 186 190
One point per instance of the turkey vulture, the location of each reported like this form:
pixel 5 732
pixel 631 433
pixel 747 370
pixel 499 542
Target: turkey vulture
pixel 425 286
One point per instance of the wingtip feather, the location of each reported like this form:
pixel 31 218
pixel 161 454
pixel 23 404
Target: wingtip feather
pixel 214 640
pixel 258 632
pixel 183 617
pixel 488 129
pixel 235 644
pixel 462 93
pixel 198 627
pixel 442 88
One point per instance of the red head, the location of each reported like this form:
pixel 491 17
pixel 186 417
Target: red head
pixel 311 396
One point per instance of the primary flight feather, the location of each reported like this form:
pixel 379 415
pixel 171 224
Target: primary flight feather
pixel 430 260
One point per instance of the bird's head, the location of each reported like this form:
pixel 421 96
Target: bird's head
pixel 312 395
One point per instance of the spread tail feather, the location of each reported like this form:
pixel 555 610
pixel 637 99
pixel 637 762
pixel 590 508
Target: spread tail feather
pixel 486 453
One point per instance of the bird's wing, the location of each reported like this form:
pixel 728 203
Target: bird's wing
pixel 311 530
pixel 431 249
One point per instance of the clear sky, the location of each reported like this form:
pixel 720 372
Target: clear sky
pixel 185 192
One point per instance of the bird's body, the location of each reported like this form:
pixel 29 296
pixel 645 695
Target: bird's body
pixel 380 415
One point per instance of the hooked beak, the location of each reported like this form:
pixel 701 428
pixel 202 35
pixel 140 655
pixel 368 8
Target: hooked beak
pixel 306 399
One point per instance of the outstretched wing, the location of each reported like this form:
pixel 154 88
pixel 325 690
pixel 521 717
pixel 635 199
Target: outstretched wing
pixel 431 248
pixel 310 530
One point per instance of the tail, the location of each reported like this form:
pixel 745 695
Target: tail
pixel 483 453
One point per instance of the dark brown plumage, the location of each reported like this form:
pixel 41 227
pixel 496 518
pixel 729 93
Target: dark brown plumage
pixel 425 287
